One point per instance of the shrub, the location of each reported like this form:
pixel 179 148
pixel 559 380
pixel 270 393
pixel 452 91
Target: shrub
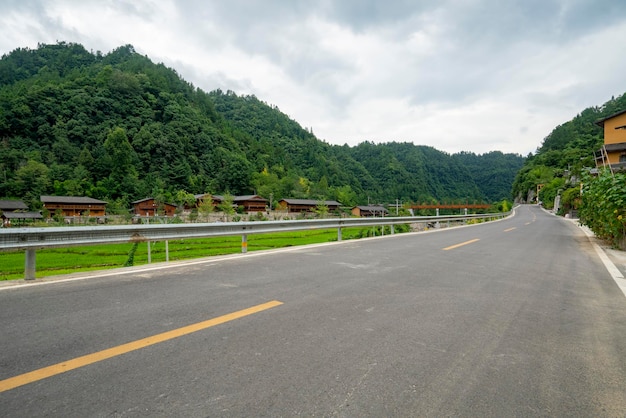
pixel 603 204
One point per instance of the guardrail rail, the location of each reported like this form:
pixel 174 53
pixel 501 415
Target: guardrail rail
pixel 32 239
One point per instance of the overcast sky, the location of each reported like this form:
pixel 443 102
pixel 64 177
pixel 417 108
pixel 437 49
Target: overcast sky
pixel 474 75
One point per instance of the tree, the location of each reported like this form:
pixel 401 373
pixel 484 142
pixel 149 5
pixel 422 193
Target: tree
pixel 206 207
pixel 227 206
pixel 345 195
pixel 120 151
pixel 31 181
pixel 184 198
pixel 321 209
pixel 123 177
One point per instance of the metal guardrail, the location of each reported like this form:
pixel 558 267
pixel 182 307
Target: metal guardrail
pixel 31 239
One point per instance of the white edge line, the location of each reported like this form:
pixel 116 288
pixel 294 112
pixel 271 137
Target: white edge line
pixel 617 275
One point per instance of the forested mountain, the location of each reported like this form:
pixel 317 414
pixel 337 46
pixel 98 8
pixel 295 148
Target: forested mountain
pixel 565 154
pixel 118 127
pixel 491 171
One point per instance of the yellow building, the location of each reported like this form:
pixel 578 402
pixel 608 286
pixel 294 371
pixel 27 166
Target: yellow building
pixel 613 152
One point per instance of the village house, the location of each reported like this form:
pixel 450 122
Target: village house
pixel 149 207
pixel 613 152
pixel 73 205
pixel 306 205
pixel 19 218
pixel 15 213
pixel 251 203
pixel 369 211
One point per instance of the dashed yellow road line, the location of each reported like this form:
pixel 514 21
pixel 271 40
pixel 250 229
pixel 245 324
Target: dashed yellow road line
pixel 510 229
pixel 461 244
pixel 72 364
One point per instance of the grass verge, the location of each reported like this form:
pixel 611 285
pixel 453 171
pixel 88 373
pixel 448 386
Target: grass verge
pixel 56 261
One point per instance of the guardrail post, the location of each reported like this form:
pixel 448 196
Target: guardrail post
pixel 339 234
pixel 244 243
pixel 29 265
pixel 437 212
pixel 167 251
pixel 149 254
pixel 392 227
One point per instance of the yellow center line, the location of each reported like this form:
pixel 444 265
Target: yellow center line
pixel 461 244
pixel 510 229
pixel 75 363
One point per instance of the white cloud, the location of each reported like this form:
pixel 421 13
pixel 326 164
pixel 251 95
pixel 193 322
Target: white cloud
pixel 456 75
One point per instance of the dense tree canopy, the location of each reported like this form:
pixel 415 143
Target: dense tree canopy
pixel 118 127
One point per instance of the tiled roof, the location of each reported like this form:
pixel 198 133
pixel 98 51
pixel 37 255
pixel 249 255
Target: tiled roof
pixel 311 202
pixel 72 200
pixel 136 202
pixel 22 215
pixel 373 208
pixel 141 200
pixel 12 205
pixel 249 197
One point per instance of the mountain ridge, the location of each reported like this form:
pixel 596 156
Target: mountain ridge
pixel 119 127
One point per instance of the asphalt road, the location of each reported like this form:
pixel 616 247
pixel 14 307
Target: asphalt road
pixel 512 318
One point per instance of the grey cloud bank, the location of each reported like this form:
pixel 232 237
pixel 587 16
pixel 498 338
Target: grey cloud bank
pixel 457 75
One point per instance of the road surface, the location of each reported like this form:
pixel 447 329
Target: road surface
pixel 511 318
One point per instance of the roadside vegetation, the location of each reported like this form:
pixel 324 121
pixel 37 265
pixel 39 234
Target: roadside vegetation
pixel 603 207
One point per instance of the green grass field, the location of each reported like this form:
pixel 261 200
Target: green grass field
pixel 98 257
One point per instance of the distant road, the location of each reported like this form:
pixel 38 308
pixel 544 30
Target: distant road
pixel 511 318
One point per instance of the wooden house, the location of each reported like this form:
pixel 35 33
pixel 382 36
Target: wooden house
pixel 306 205
pixel 149 207
pixel 15 213
pixel 19 218
pixel 251 203
pixel 613 152
pixel 74 205
pixel 369 211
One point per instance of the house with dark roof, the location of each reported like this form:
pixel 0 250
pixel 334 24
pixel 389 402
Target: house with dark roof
pixel 19 218
pixel 15 212
pixel 306 205
pixel 251 203
pixel 149 207
pixel 369 211
pixel 613 151
pixel 74 205
pixel 12 206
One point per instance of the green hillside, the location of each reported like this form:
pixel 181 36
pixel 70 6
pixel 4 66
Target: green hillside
pixel 565 155
pixel 119 127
